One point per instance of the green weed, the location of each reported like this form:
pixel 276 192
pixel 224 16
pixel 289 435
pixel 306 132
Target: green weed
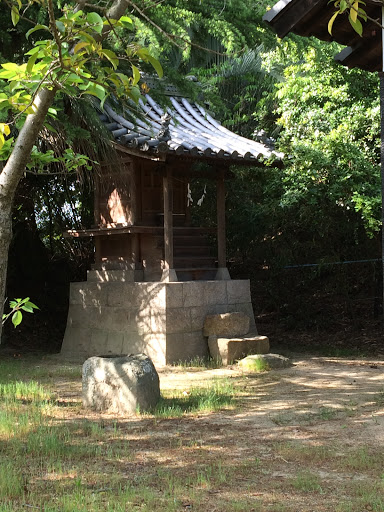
pixel 361 459
pixel 305 481
pixel 11 481
pixel 216 396
pixel 200 362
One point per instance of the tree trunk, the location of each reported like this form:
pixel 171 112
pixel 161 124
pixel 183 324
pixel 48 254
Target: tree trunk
pixel 381 75
pixel 13 172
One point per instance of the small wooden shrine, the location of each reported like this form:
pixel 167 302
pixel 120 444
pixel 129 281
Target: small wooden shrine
pixel 142 204
pixel 155 278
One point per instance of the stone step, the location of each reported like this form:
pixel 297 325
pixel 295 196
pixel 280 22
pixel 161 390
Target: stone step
pixel 110 276
pixel 192 250
pixel 229 350
pixel 192 262
pixel 196 274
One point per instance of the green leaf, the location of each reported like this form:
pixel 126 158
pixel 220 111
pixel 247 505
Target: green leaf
pixel 343 5
pixel 27 309
pixel 17 317
pixel 32 305
pixel 156 64
pixel 136 74
pixel 96 21
pixel 36 27
pixel 126 22
pixel 31 62
pixel 330 23
pixel 357 26
pixel 112 57
pixel 96 90
pixel 10 66
pixel 15 16
pixel 88 37
pixel 353 11
pixel 80 46
pixel 50 127
pixel 135 94
pixel 60 26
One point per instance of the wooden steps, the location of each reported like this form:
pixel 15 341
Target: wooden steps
pixel 192 254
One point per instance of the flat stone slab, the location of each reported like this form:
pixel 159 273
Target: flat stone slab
pixel 228 350
pixel 226 324
pixel 120 384
pixel 262 362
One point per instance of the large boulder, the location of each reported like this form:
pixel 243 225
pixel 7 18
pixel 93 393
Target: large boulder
pixel 226 324
pixel 120 384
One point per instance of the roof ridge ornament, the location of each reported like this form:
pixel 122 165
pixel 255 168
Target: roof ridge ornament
pixel 164 133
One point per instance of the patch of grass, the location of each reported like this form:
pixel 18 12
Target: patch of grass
pixel 213 397
pixel 379 399
pixel 309 418
pixel 306 481
pixel 362 459
pixel 207 363
pixel 367 496
pixel 298 452
pixel 11 481
pixel 24 391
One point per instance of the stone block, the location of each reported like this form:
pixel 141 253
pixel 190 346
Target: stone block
pixel 84 316
pixel 110 276
pixel 185 347
pixel 114 344
pixel 215 293
pixel 120 295
pixel 120 385
pixel 198 315
pixel 226 324
pixel 174 295
pixel 87 294
pixel 149 294
pixel 178 320
pixel 76 341
pixel 75 297
pixel 97 342
pixel 247 309
pixel 238 291
pixel 155 347
pixel 115 319
pixel 194 293
pixel 133 343
pixel 229 350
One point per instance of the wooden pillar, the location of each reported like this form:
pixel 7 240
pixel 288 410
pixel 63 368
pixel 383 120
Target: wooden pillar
pixel 169 273
pixel 96 201
pixel 97 252
pixel 222 271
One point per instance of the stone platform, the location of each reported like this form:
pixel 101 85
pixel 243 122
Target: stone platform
pixel 162 320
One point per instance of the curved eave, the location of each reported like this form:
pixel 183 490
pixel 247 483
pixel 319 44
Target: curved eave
pixel 310 18
pixel 188 131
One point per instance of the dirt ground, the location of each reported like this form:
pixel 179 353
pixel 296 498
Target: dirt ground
pixel 320 421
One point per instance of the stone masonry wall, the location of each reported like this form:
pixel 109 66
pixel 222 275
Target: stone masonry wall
pixel 163 320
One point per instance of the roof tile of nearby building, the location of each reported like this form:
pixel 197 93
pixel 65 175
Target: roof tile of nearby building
pixel 185 129
pixel 311 17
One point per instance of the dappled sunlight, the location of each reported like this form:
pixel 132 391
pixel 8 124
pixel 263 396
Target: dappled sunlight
pixel 289 433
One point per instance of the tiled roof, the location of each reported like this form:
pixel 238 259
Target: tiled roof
pixel 185 129
pixel 311 17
